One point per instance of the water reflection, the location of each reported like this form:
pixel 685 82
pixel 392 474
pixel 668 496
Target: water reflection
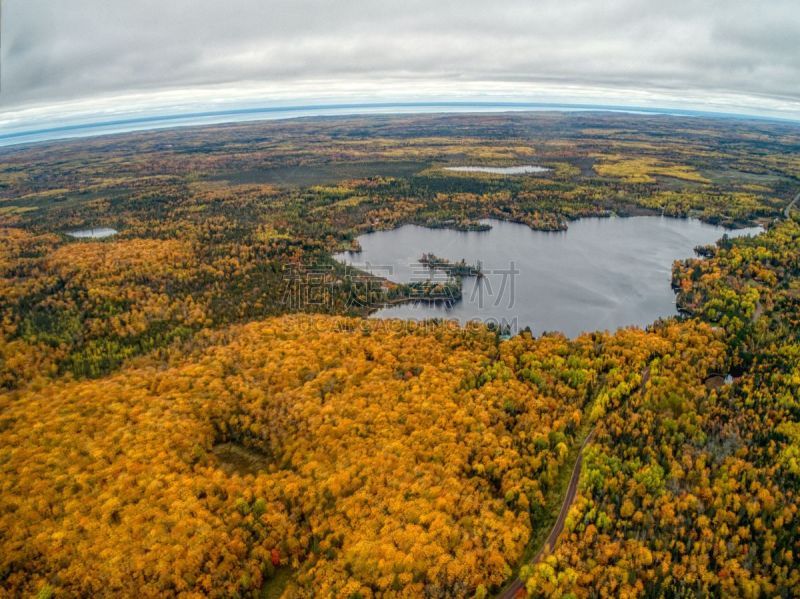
pixel 603 273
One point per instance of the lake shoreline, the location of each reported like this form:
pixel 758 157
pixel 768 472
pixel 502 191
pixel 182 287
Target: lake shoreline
pixel 600 274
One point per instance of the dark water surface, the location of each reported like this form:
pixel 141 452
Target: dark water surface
pixel 603 273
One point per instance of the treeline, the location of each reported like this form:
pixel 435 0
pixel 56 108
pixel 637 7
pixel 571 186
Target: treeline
pixel 378 461
pixel 690 486
pixel 390 461
pixel 215 231
pixel 460 268
pixel 386 460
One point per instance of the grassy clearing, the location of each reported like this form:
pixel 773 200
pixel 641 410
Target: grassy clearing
pixel 276 586
pixel 645 170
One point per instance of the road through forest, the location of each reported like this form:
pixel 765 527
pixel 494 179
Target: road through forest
pixel 516 586
pixel 572 490
pixel 791 205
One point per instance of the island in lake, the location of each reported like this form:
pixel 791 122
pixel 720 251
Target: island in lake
pixel 227 401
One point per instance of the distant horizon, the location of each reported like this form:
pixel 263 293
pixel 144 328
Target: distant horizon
pixel 85 128
pixel 73 64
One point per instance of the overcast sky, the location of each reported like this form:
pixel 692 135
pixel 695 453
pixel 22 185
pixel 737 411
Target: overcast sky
pixel 69 57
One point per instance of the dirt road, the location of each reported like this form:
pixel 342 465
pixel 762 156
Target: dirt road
pixel 516 586
pixel 791 205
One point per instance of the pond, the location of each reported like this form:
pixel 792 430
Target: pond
pixel 97 233
pixel 499 170
pixel 602 273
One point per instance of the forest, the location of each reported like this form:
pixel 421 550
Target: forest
pixel 197 405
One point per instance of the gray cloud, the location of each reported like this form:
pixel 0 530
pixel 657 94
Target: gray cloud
pixel 71 50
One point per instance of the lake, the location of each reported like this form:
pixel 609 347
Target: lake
pixel 602 273
pixel 97 233
pixel 499 170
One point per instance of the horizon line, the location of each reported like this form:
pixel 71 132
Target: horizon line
pixel 176 120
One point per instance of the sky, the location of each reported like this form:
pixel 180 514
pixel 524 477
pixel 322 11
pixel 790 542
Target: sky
pixel 79 61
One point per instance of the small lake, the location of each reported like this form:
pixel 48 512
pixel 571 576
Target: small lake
pixel 602 273
pixel 98 233
pixel 499 170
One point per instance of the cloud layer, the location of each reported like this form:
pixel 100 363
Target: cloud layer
pixel 96 53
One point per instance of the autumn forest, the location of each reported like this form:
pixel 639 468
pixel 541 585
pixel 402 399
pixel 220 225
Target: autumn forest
pixel 200 406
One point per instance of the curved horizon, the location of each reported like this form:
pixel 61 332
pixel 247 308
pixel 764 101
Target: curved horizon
pixel 155 121
pixel 82 67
